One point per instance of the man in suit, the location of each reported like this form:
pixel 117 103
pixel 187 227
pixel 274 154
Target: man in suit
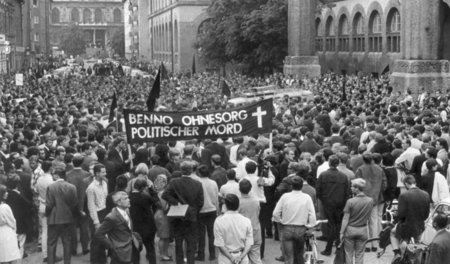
pixel 61 210
pixel 118 155
pixel 21 208
pixel 115 232
pixel 76 177
pixel 413 210
pixel 440 246
pixel 185 190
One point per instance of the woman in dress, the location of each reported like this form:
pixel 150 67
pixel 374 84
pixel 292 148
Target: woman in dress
pixel 161 220
pixel 9 249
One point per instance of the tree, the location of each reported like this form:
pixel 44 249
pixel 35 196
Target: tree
pixel 73 40
pixel 118 42
pixel 252 32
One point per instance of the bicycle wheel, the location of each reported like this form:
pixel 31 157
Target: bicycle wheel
pixel 382 256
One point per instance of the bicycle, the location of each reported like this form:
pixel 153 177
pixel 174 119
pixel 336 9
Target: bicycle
pixel 310 255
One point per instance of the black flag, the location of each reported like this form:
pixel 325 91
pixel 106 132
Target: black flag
pixel 154 93
pixel 344 94
pixel 112 108
pixel 164 74
pixel 225 89
pixel 193 64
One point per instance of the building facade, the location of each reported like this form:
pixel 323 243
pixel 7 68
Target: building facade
pixel 410 39
pixel 12 53
pixel 37 24
pixel 131 26
pixel 99 19
pixel 171 27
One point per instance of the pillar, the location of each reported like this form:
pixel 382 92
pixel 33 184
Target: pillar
pixel 421 64
pixel 301 59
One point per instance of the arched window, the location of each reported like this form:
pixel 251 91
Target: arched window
pixel 393 31
pixel 98 15
pixel 330 33
pixel 117 16
pixel 55 15
pixel 358 33
pixel 343 34
pixel 74 15
pixel 87 15
pixel 319 36
pixel 375 38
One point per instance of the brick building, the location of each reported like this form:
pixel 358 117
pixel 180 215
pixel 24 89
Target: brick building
pixel 168 30
pixel 12 53
pixel 99 19
pixel 410 39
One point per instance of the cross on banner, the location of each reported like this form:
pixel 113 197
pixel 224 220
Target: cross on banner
pixel 259 114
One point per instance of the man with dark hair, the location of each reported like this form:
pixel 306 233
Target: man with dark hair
pixel 233 233
pixel 295 212
pixel 185 190
pixel 413 210
pixel 96 194
pixel 61 209
pixel 156 169
pixel 439 249
pixel 60 152
pixel 231 186
pixel 207 214
pixel 333 191
pixel 219 174
pixel 76 176
pixel 25 179
pixel 250 208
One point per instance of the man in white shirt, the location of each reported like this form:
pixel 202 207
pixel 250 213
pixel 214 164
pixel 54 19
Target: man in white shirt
pixel 243 159
pixel 96 194
pixel 407 157
pixel 295 211
pixel 233 233
pixel 41 186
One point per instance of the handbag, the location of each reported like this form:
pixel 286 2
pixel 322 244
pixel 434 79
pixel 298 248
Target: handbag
pixel 178 211
pixel 340 254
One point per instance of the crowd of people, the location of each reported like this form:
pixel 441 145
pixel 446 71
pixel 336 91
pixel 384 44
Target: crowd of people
pixel 341 156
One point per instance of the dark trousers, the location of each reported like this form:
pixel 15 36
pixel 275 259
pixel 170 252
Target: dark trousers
pixel 262 224
pixel 54 233
pixel 334 216
pixel 185 231
pixel 266 216
pixel 206 223
pixel 82 223
pixel 98 251
pixel 149 243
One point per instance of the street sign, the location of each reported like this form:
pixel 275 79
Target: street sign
pixel 19 79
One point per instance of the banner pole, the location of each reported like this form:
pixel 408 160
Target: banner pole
pixel 270 142
pixel 130 155
pixel 117 121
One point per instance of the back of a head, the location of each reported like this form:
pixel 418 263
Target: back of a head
pixel 186 167
pixel 440 221
pixel 367 158
pixel 297 183
pixel 140 184
pixel 250 167
pixel 203 171
pixel 231 202
pixel 359 183
pixel 77 160
pixel 231 175
pixel 409 179
pixel 121 182
pixel 245 186
pixel 333 161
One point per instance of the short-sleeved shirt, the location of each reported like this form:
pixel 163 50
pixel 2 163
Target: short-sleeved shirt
pixel 359 209
pixel 233 231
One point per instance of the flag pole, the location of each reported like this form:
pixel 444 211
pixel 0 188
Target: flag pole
pixel 117 121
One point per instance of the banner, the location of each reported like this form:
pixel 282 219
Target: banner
pixel 143 126
pixel 19 79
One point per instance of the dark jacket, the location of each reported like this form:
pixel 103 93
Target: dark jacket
pixel 141 213
pixel 76 177
pixel 413 210
pixel 61 203
pixel 21 209
pixel 115 234
pixel 439 249
pixel 185 190
pixel 333 188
